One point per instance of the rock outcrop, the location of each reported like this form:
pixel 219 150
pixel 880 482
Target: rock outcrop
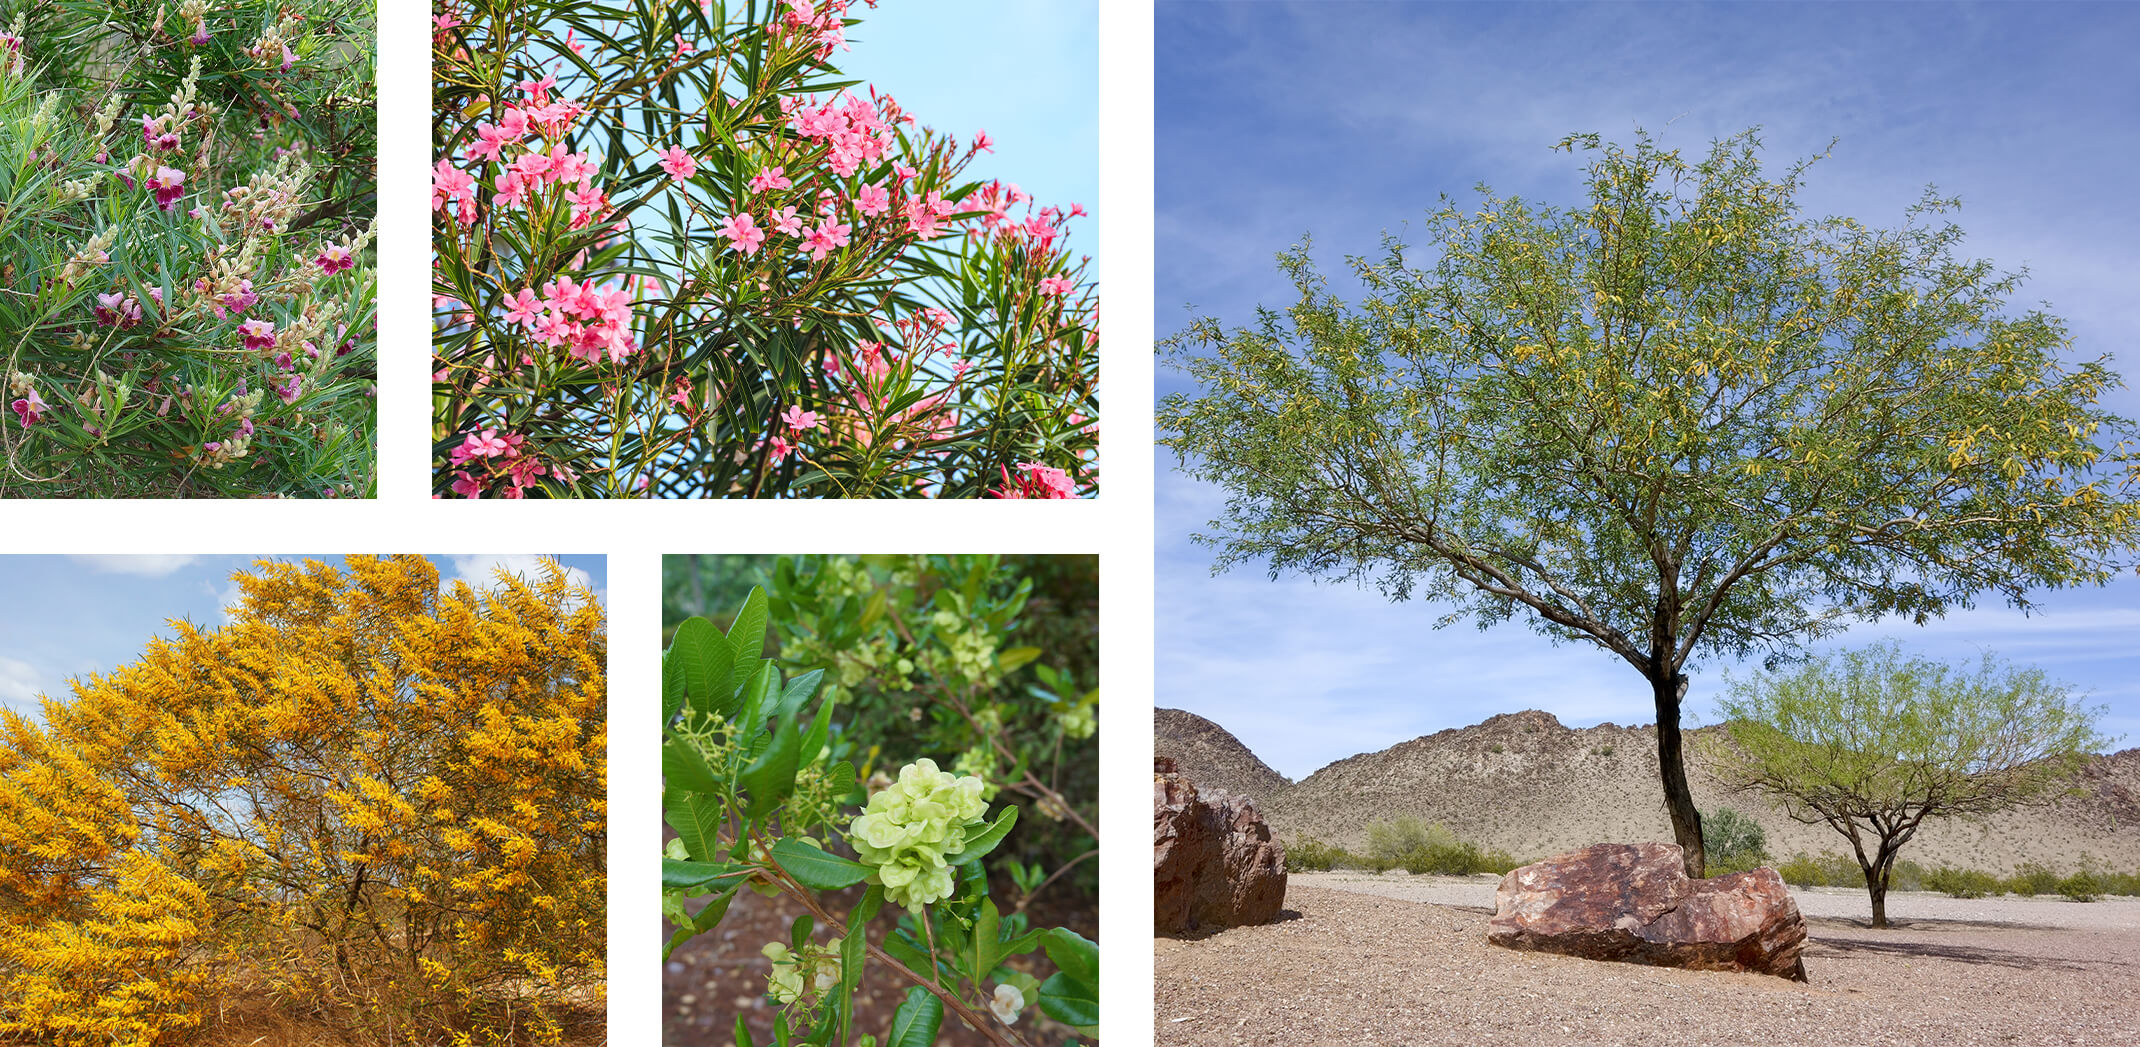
pixel 1213 758
pixel 1214 863
pixel 1633 902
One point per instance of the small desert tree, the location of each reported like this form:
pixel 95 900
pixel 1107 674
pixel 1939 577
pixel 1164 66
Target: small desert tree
pixel 1872 743
pixel 1681 419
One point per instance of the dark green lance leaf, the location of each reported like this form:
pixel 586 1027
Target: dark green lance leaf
pixel 1069 1001
pixel 710 917
pixel 914 1024
pixel 673 689
pixel 742 1033
pixel 692 651
pixel 771 776
pixel 989 838
pixel 747 635
pixel 685 767
pixel 820 730
pixel 696 819
pixel 799 931
pixel 799 691
pixel 854 953
pixel 816 868
pixel 987 922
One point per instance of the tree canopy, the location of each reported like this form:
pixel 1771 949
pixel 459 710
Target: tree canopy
pixel 1682 418
pixel 1872 742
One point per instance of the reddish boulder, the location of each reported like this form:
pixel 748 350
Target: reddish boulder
pixel 1633 902
pixel 1214 864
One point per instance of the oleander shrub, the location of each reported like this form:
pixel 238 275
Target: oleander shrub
pixel 676 254
pixel 370 800
pixel 187 297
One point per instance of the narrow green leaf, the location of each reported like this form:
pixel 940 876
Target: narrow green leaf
pixel 816 868
pixel 989 838
pixel 688 650
pixel 673 688
pixel 915 1023
pixel 987 923
pixel 799 931
pixel 799 691
pixel 696 819
pixel 820 730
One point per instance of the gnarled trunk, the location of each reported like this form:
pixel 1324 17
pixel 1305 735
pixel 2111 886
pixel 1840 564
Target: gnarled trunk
pixel 1671 767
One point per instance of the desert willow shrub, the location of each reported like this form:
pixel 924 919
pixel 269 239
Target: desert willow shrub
pixel 365 796
pixel 762 791
pixel 186 297
pixel 676 254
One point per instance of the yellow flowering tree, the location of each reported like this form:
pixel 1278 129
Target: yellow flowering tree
pixel 366 795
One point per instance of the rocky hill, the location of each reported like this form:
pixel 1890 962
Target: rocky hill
pixel 1213 758
pixel 1527 784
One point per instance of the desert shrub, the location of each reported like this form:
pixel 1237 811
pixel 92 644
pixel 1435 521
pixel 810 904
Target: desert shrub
pixel 1801 871
pixel 1735 842
pixel 364 796
pixel 1907 875
pixel 1828 870
pixel 1963 883
pixel 2083 886
pixel 1391 841
pixel 2032 878
pixel 2127 884
pixel 185 223
pixel 1308 855
pixel 1498 862
pixel 676 254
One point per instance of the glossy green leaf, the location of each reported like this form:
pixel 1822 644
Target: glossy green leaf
pixel 915 1023
pixel 817 868
pixel 980 845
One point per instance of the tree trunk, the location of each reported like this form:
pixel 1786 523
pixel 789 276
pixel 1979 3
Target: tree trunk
pixel 1671 767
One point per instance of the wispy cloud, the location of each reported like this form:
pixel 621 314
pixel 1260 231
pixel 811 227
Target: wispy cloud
pixel 1347 120
pixel 20 683
pixel 145 565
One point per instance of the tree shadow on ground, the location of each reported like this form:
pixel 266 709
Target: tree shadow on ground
pixel 1977 955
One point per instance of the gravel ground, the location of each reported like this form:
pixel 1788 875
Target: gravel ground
pixel 1358 960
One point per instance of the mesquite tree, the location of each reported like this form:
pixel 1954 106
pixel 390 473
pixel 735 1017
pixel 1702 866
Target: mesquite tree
pixel 1871 743
pixel 1679 419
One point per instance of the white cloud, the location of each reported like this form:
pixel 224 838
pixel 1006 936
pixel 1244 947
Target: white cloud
pixel 481 572
pixel 20 683
pixel 147 566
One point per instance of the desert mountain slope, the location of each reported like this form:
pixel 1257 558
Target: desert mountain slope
pixel 1213 758
pixel 1527 784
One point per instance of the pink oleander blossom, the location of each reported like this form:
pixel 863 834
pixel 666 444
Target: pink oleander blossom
pixel 742 232
pixel 681 165
pixel 1055 285
pixel 798 419
pixel 770 178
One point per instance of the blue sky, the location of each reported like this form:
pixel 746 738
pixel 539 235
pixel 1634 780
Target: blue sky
pixel 1344 120
pixel 1026 72
pixel 74 615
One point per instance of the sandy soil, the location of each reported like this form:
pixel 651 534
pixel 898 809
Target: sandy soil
pixel 1363 960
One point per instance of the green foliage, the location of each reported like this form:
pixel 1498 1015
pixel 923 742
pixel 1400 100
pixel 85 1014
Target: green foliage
pixel 1824 420
pixel 194 344
pixel 1408 843
pixel 2083 886
pixel 1876 741
pixel 2033 878
pixel 761 791
pixel 1736 842
pixel 1963 883
pixel 1308 855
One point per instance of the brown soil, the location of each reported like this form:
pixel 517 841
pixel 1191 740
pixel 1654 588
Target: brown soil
pixel 1346 968
pixel 720 974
